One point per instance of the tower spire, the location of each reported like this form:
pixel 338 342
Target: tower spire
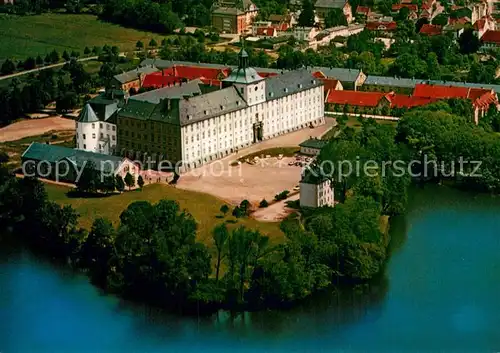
pixel 243 55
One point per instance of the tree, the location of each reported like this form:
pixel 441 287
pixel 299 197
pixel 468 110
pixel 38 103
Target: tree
pixel 140 181
pixel 29 63
pixel 163 42
pixel 87 51
pixel 440 20
pixel 129 180
pixel 224 209
pixel 120 184
pixel 263 203
pixel 220 236
pixel 403 14
pixel 334 18
pixel 54 57
pixel 8 67
pixel 47 59
pixel 139 45
pixel 468 41
pixel 39 60
pixel 108 184
pixel 237 212
pixel 66 56
pixel 67 101
pixel 306 17
pixel 97 250
pixel 90 178
pixel 152 43
pixel 245 207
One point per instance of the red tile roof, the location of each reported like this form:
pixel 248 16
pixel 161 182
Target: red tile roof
pixel 431 30
pixel 479 24
pixel 461 20
pixel 405 101
pixel 266 31
pixel 355 98
pixel 365 10
pixel 330 83
pixel 491 37
pixel 381 26
pixel 406 1
pixel 157 80
pixel 192 72
pixel 267 74
pixel 411 7
pixel 281 27
pixel 319 74
pixel 481 98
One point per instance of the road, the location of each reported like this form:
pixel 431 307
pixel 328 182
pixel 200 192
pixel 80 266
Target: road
pixel 43 68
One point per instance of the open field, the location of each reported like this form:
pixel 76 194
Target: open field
pixel 203 207
pixel 24 36
pixel 34 127
pixel 15 149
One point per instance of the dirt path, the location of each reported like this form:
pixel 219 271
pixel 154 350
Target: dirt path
pixel 34 127
pixel 276 212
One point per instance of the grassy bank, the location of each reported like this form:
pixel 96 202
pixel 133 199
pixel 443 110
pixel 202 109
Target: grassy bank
pixel 203 207
pixel 32 35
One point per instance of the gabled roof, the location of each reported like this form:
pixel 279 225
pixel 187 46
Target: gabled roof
pixel 461 20
pixel 355 98
pixel 189 88
pixel 441 92
pixel 331 4
pixel 431 30
pixel 365 10
pixel 313 143
pixel 411 7
pixel 341 74
pixel 134 74
pixel 392 81
pixel 492 37
pixel 266 31
pixel 330 83
pixel 381 26
pixel 212 104
pixel 289 83
pixel 406 101
pixel 87 115
pixel 53 153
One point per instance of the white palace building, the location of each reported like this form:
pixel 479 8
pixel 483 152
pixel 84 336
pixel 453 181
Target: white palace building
pixel 193 124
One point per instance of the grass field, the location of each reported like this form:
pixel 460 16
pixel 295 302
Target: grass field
pixel 24 36
pixel 203 207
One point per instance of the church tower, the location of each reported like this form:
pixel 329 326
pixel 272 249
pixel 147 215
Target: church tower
pixel 247 81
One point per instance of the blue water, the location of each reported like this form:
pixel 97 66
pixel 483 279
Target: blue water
pixel 440 293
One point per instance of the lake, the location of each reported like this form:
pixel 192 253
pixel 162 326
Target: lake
pixel 440 291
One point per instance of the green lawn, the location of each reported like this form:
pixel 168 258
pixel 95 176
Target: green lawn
pixel 203 207
pixel 31 35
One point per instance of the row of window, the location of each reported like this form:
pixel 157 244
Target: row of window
pixel 107 126
pixel 84 136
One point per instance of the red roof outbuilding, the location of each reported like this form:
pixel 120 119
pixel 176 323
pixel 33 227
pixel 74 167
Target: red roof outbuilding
pixel 491 37
pixel 355 98
pixel 411 7
pixel 431 30
pixel 381 26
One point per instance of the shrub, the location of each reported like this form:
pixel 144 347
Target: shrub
pixel 263 203
pixel 237 212
pixel 282 195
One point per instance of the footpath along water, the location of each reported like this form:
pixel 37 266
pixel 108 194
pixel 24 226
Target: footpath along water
pixel 440 292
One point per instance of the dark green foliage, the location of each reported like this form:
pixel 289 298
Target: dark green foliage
pixel 8 67
pixel 334 18
pixel 119 183
pixel 90 178
pixel 152 43
pixel 224 209
pixel 263 203
pixel 140 181
pixel 129 180
pixel 282 195
pixel 306 17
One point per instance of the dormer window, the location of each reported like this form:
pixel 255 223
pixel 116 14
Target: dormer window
pixel 285 90
pixel 300 85
pixel 188 117
pixel 313 82
pixel 237 102
pixel 271 94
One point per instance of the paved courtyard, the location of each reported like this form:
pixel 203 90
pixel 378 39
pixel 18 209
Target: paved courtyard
pixel 252 182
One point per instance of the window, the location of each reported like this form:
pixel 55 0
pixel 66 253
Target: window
pixel 100 147
pixel 93 136
pixel 107 127
pixel 102 135
pixel 84 136
pixel 93 126
pixel 113 137
pixel 100 125
pixel 84 146
pixel 114 128
pixel 256 88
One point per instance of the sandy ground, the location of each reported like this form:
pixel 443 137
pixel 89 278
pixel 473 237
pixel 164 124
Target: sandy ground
pixel 252 182
pixel 36 127
pixel 275 212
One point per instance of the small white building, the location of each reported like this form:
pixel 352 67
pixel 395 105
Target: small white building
pixel 316 191
pixel 96 125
